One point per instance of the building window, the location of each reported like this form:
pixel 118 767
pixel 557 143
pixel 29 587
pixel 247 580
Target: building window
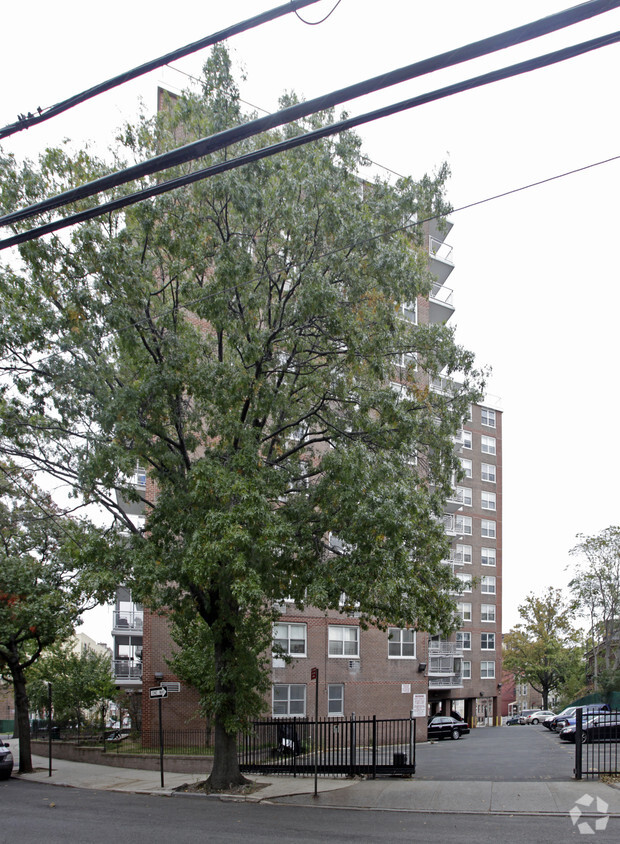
pixel 335 699
pixel 487 584
pixel 289 699
pixel 487 472
pixel 464 496
pixel 463 555
pixel 467 467
pixel 466 669
pixel 487 670
pixel 487 528
pixel 409 312
pixel 344 641
pixel 465 581
pixel 487 417
pixel 487 445
pixel 290 638
pixel 488 556
pixel 488 500
pixel 487 641
pixel 401 643
pixel 463 640
pixel 463 524
pixel 487 612
pixel 466 439
pixel 464 611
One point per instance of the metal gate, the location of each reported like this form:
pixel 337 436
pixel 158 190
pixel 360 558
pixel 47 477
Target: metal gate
pixel 348 747
pixel 597 744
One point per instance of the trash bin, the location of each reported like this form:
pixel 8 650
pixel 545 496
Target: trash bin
pixel 400 760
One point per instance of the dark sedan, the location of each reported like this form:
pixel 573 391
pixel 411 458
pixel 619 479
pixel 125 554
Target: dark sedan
pixel 442 726
pixel 603 727
pixel 6 761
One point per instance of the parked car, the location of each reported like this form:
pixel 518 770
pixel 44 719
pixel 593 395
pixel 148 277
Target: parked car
pixel 443 726
pixel 538 716
pixel 514 719
pixel 588 711
pixel 524 714
pixel 6 761
pixel 602 727
pixel 564 714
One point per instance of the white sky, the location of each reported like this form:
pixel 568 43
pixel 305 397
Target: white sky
pixel 534 279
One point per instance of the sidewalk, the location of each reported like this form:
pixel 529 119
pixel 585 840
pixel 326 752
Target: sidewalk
pixel 389 794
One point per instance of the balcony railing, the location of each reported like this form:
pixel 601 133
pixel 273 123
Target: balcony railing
pixel 440 249
pixel 442 294
pixel 128 619
pixel 441 647
pixel 453 682
pixel 127 669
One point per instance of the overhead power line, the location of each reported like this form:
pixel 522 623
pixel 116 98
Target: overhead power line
pixel 26 121
pixel 316 134
pixel 206 146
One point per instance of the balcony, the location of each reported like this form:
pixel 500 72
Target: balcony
pixel 440 302
pixel 441 647
pixel 454 681
pixel 449 524
pixel 440 259
pixel 440 229
pixel 127 669
pixel 126 620
pixel 445 386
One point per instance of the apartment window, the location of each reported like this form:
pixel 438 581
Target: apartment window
pixel 487 417
pixel 487 670
pixel 487 556
pixel 464 611
pixel 344 641
pixel 487 445
pixel 407 360
pixel 487 641
pixel 464 496
pixel 487 472
pixel 463 524
pixel 487 612
pixel 409 312
pixel 291 638
pixel 463 555
pixel 466 439
pixel 401 643
pixel 487 584
pixel 463 640
pixel 289 699
pixel 465 581
pixel 488 500
pixel 467 467
pixel 335 699
pixel 466 669
pixel 487 528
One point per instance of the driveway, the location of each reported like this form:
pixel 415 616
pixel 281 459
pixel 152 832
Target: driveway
pixel 498 754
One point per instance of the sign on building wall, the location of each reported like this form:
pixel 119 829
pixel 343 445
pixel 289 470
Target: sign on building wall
pixel 405 688
pixel 419 706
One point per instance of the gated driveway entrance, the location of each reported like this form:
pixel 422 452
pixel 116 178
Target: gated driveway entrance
pixel 498 754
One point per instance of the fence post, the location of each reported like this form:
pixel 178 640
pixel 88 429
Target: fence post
pixel 374 747
pixel 294 746
pixel 352 751
pixel 412 740
pixel 578 744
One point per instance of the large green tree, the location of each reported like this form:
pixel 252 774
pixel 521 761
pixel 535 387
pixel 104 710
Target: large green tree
pixel 244 340
pixel 596 588
pixel 543 649
pixel 40 596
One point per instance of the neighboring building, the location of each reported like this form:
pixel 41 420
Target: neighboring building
pixel 518 695
pixel 81 642
pixel 372 671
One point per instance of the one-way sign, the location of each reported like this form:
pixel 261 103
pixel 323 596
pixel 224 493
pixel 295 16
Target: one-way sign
pixel 158 691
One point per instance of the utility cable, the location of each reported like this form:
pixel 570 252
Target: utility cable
pixel 316 23
pixel 25 121
pixel 206 146
pixel 317 134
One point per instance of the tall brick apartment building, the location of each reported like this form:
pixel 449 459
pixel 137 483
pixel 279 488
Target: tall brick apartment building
pixel 376 671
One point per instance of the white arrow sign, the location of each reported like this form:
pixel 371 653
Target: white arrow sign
pixel 159 691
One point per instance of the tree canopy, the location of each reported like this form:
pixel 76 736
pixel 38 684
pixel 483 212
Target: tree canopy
pixel 543 649
pixel 244 340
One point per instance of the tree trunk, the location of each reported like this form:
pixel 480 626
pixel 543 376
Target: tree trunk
pixel 225 773
pixel 22 718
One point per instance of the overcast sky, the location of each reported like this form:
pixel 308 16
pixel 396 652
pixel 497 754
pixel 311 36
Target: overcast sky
pixel 536 278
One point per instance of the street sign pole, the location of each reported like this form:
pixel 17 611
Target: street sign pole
pixel 161 746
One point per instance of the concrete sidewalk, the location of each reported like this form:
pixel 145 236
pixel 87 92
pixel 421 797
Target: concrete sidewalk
pixel 389 794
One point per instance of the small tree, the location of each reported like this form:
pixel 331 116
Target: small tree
pixel 541 648
pixel 596 588
pixel 40 599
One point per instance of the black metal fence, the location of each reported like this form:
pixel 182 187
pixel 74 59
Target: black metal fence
pixel 348 747
pixel 182 742
pixel 597 742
